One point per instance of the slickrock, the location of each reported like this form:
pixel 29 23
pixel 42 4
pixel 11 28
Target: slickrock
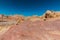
pixel 45 27
pixel 38 30
pixel 33 18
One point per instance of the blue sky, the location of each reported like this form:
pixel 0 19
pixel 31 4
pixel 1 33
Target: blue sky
pixel 28 7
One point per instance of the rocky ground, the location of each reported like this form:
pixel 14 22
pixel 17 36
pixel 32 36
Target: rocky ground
pixel 45 27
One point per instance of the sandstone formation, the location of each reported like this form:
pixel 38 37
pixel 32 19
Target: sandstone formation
pixel 17 27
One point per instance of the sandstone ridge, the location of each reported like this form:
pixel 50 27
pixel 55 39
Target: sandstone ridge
pixel 18 27
pixel 47 15
pixel 17 19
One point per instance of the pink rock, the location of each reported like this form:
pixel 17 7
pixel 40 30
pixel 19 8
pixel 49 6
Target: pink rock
pixel 38 30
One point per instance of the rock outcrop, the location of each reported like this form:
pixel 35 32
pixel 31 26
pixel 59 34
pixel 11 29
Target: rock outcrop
pixel 48 15
pixel 17 27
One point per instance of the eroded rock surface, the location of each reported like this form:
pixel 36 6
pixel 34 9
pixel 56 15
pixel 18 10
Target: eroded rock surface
pixel 38 30
pixel 46 27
